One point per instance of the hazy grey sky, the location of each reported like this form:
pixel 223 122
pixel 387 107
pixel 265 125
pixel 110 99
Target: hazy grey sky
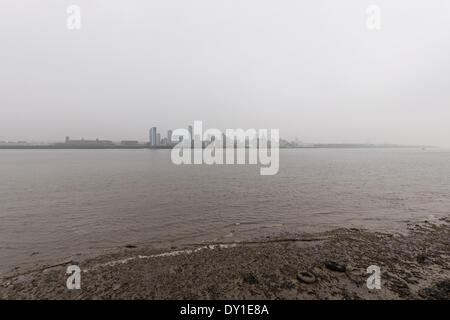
pixel 310 68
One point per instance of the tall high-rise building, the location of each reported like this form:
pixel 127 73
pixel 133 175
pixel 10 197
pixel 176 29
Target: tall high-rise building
pixel 169 136
pixel 152 136
pixel 191 136
pixel 224 140
pixel 190 132
pixel 158 139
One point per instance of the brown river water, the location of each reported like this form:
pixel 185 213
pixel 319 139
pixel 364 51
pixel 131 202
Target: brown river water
pixel 57 204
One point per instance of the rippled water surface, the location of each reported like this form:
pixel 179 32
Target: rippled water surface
pixel 59 203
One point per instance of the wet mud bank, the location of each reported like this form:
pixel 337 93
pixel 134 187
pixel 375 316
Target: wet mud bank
pixel 327 265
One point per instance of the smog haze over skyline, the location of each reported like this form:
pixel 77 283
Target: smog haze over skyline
pixel 312 69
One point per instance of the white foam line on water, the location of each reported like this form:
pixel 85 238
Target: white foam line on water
pixel 164 254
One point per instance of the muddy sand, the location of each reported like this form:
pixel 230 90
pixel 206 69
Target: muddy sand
pixel 327 265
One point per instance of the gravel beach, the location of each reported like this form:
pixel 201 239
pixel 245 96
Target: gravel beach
pixel 327 265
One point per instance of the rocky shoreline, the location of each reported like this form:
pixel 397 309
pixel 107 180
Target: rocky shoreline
pixel 327 265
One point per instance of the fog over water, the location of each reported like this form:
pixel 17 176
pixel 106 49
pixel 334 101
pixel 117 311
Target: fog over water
pixel 310 68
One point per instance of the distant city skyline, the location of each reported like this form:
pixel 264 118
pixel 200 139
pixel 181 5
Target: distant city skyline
pixel 155 139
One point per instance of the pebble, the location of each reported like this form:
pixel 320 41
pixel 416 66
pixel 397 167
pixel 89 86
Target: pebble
pixel 250 278
pixel 421 259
